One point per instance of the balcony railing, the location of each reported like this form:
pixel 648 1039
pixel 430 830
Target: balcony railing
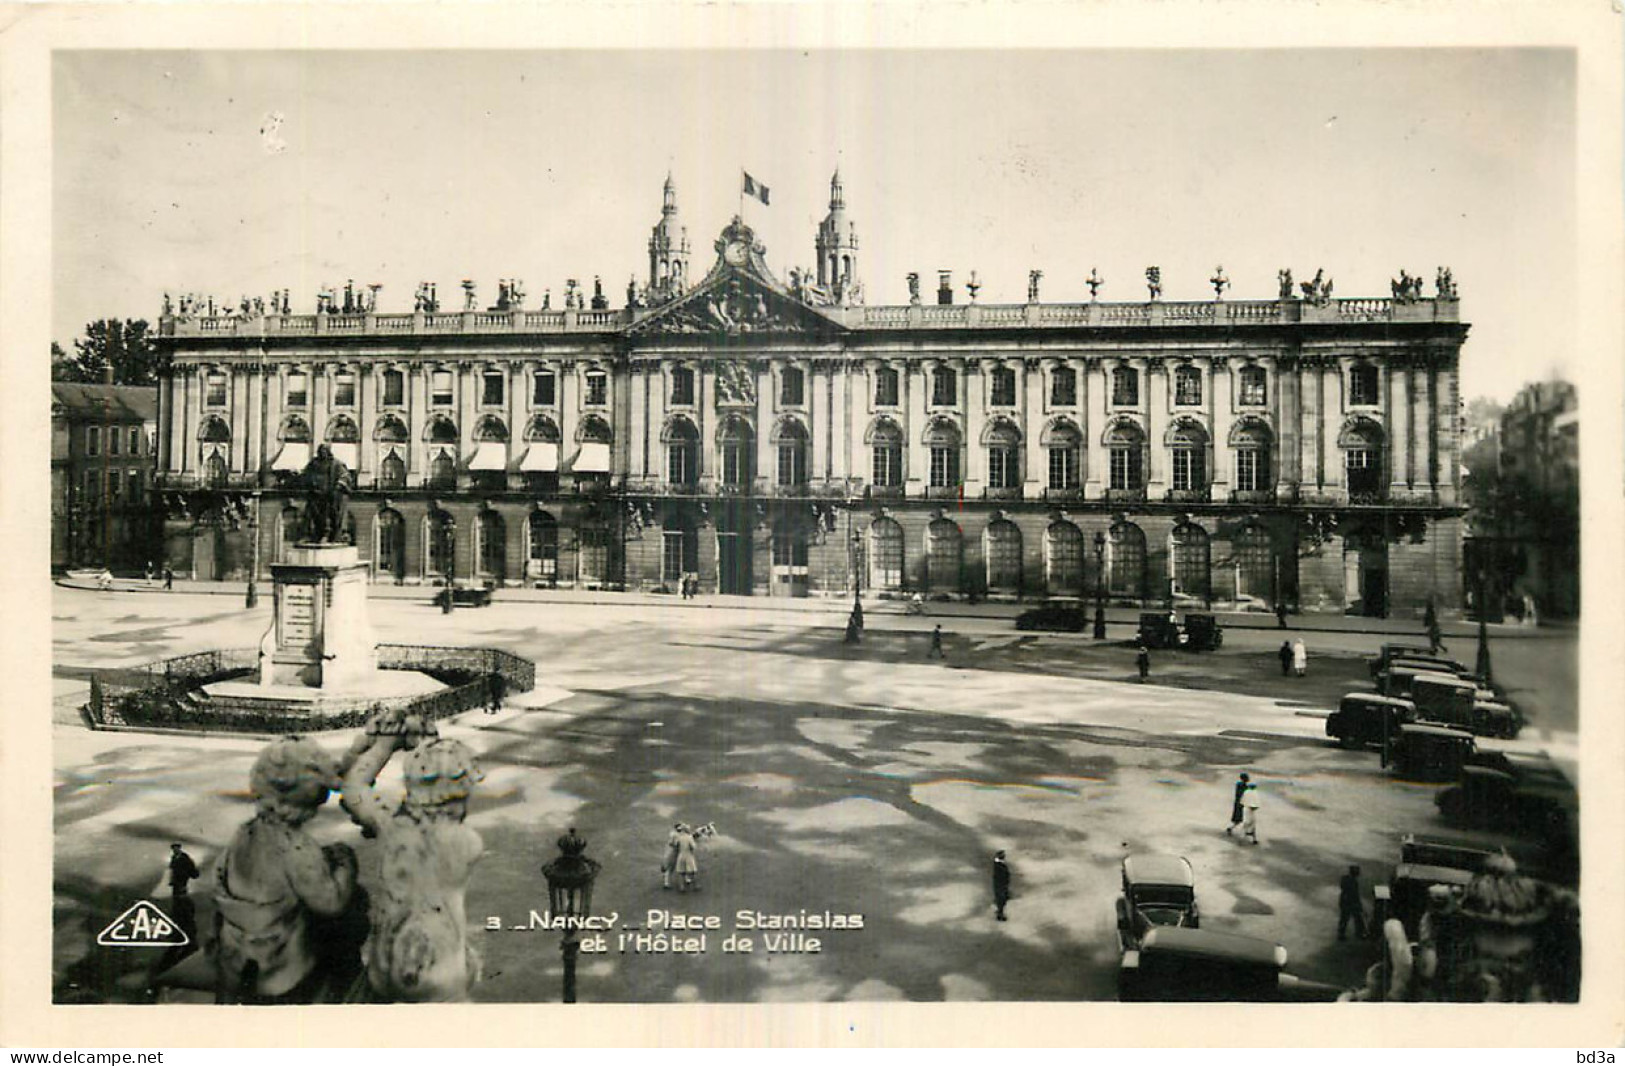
pixel 1125 495
pixel 1202 495
pixel 1252 495
pixel 1009 492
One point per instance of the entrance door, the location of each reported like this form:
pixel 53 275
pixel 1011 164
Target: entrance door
pixel 206 554
pixel 733 563
pixel 790 564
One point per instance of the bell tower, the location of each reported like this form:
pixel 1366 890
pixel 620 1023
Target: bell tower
pixel 837 248
pixel 668 249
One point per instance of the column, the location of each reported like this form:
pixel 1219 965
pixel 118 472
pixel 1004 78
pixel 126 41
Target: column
pixel 468 384
pixel 974 382
pixel 417 414
pixel 1332 406
pixel 638 423
pixel 237 418
pixel 766 469
pixel 1445 425
pixel 1156 405
pixel 817 382
pixel 569 397
pixel 1095 376
pixel 840 418
pixel 1030 383
pixel 1222 401
pixel 1310 473
pixel 276 384
pixel 1283 390
pixel 321 392
pixel 916 382
pixel 514 394
pixel 1399 424
pixel 366 383
pixel 253 406
pixel 189 459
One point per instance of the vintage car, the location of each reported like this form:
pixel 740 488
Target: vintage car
pixel 1159 629
pixel 1445 700
pixel 1365 720
pixel 1178 963
pixel 1405 896
pixel 1158 890
pixel 1430 752
pixel 1401 675
pixel 1202 632
pixel 1378 663
pixel 1433 662
pixel 1513 794
pixel 1435 851
pixel 1492 718
pixel 1055 617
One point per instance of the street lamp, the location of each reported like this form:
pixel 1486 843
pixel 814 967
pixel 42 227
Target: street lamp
pixel 1100 585
pixel 252 597
pixel 569 896
pixel 448 552
pixel 1482 667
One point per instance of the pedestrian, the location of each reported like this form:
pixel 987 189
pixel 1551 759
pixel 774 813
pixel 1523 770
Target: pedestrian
pixel 1249 812
pixel 169 578
pixel 152 572
pixel 1280 614
pixel 1300 657
pixel 1235 804
pixel 936 644
pixel 1349 906
pixel 1430 617
pixel 181 871
pixel 181 908
pixel 1285 655
pixel 498 688
pixel 688 866
pixel 668 865
pixel 1142 659
pixel 1435 638
pixel 1001 884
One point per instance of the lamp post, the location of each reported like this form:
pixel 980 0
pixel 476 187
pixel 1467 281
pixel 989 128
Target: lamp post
pixel 569 896
pixel 1482 666
pixel 252 597
pixel 1100 585
pixel 448 552
pixel 856 541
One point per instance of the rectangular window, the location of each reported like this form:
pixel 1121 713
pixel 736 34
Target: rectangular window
pixel 790 387
pixel 93 440
pixel 492 383
pixel 135 440
pixel 1363 385
pixel 440 388
pixel 543 387
pixel 215 392
pixel 114 484
pixel 944 467
pixel 133 480
pixel 1253 387
pixel 298 391
pixel 1187 386
pixel 1063 468
pixel 679 463
pixel 1247 470
pixel 792 464
pixel 1125 387
pixel 888 466
pixel 597 388
pixel 1001 467
pixel 885 387
pixel 344 390
pixel 735 464
pixel 394 388
pixel 944 387
pixel 113 439
pixel 1063 387
pixel 1125 469
pixel 682 385
pixel 1188 470
pixel 671 556
pixel 1003 387
pixel 93 485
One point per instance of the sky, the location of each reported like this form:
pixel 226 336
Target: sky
pixel 232 172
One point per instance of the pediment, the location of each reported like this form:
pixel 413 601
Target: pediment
pixel 734 302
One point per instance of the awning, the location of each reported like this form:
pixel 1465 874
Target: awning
pixel 491 455
pixel 542 458
pixel 593 459
pixel 295 455
pixel 348 454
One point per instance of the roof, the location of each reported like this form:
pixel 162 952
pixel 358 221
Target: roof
pixel 125 403
pixel 1381 701
pixel 1158 870
pixel 1207 944
pixel 1433 731
pixel 1439 875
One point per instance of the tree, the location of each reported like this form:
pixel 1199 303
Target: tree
pixel 125 345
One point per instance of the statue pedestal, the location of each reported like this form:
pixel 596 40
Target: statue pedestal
pixel 320 635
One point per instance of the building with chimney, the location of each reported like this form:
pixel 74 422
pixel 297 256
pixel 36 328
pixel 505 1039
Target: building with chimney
pixel 778 436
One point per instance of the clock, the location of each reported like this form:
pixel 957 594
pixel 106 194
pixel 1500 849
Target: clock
pixel 735 253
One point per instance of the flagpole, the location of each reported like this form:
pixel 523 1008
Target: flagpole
pixel 741 214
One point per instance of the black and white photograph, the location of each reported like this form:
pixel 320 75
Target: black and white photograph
pixel 719 525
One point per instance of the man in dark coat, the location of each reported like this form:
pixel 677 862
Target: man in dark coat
pixel 1280 614
pixel 181 871
pixel 1285 655
pixel 1001 883
pixel 1349 906
pixel 936 644
pixel 1142 659
pixel 1235 805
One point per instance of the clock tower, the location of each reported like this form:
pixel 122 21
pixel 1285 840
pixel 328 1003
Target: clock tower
pixel 837 248
pixel 668 250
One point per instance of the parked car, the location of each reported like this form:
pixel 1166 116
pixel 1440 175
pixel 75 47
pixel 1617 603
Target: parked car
pixel 1364 720
pixel 1202 632
pixel 1054 617
pixel 1444 700
pixel 1178 963
pixel 1492 718
pixel 1158 890
pixel 1402 674
pixel 1405 896
pixel 1431 752
pixel 1434 851
pixel 1433 662
pixel 1393 651
pixel 1508 796
pixel 1159 629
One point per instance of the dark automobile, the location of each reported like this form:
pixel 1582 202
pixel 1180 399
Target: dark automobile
pixel 1401 675
pixel 1445 700
pixel 1178 963
pixel 1406 896
pixel 1158 890
pixel 1202 632
pixel 1392 651
pixel 1431 752
pixel 1538 802
pixel 1436 663
pixel 1159 629
pixel 1492 718
pixel 1364 720
pixel 1054 617
pixel 1433 851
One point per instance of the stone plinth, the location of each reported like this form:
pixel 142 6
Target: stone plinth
pixel 320 635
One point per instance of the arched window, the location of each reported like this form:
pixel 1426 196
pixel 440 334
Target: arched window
pixel 295 430
pixel 390 429
pixel 392 471
pixel 944 545
pixel 440 539
pixel 1125 454
pixel 491 429
pixel 543 564
pixel 886 444
pixel 1361 441
pixel 1063 445
pixel 682 386
pixel 1187 386
pixel 215 471
pixel 791 438
pixel 1002 548
pixel 1125 560
pixel 682 443
pixel 736 450
pixel 944 387
pixel 490 533
pixel 1255 564
pixel 1254 387
pixel 389 550
pixel 1188 443
pixel 1003 457
pixel 942 439
pixel 215 431
pixel 1252 442
pixel 1125 387
pixel 885 555
pixel 1002 387
pixel 441 430
pixel 443 470
pixel 595 430
pixel 1063 559
pixel 792 387
pixel 1192 572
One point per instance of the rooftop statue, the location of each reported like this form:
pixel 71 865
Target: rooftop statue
pixel 326 482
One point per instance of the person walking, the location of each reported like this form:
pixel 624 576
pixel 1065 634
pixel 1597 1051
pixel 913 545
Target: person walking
pixel 1285 655
pixel 1349 905
pixel 1249 812
pixel 936 644
pixel 169 578
pixel 688 864
pixel 668 865
pixel 1300 657
pixel 1280 614
pixel 498 689
pixel 182 870
pixel 1435 638
pixel 1001 884
pixel 1142 659
pixel 1235 804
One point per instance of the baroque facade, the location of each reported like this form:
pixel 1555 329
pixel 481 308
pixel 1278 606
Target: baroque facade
pixel 781 437
pixel 103 442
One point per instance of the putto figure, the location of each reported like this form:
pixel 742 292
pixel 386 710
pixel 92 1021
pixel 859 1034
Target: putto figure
pixel 418 949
